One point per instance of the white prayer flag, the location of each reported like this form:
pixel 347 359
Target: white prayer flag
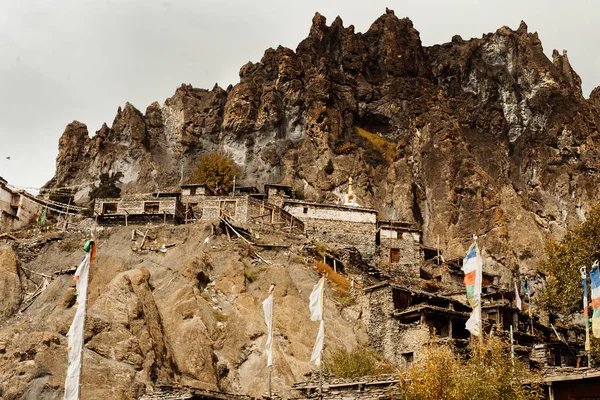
pixel 518 298
pixel 316 353
pixel 268 311
pixel 473 324
pixel 316 301
pixel 316 314
pixel 75 333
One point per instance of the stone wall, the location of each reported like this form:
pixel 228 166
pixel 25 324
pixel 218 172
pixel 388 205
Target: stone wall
pixel 168 205
pixel 7 214
pixel 27 211
pixel 194 195
pixel 338 225
pixel 408 246
pixel 364 388
pixel 378 307
pixel 235 207
pixel 12 218
pixel 396 341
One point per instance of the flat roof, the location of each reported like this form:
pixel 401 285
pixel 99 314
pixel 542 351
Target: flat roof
pixel 190 185
pixel 397 225
pixel 417 309
pixel 278 185
pixel 337 206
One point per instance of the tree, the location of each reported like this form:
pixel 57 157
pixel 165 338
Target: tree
pixel 580 247
pixel 217 171
pixel 487 373
pixel 108 186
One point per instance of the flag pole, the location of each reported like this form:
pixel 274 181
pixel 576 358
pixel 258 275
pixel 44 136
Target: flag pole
pixel 529 307
pixel 512 348
pixel 92 257
pixel 582 270
pixel 270 367
pixel 321 354
pixel 478 253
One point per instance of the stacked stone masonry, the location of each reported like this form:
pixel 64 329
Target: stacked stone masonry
pixel 340 226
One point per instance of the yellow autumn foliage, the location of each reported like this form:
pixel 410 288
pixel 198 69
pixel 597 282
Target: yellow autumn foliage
pixel 487 373
pixel 386 148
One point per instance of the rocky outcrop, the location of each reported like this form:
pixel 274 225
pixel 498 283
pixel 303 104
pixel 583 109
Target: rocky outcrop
pixel 10 283
pixel 190 317
pixel 484 136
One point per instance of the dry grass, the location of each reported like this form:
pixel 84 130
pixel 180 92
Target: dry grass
pixel 361 361
pixel 386 148
pixel 331 275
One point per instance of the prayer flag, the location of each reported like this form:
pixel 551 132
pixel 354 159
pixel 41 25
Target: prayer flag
pixel 595 281
pixel 518 302
pixel 316 314
pixel 268 311
pixel 472 267
pixel 316 301
pixel 75 334
pixel 316 353
pixel 586 319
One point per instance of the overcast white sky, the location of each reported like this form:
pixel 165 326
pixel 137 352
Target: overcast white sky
pixel 63 60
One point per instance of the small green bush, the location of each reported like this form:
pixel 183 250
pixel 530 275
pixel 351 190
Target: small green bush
pixel 321 248
pixel 361 361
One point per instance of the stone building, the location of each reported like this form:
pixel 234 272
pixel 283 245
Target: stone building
pixel 136 209
pixel 234 207
pixel 192 195
pixel 17 208
pixel 338 225
pixel 278 194
pixel 400 320
pixel 382 387
pixel 400 249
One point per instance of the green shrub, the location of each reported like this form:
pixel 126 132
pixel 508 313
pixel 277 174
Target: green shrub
pixel 360 361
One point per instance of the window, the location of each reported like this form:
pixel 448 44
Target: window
pixel 151 207
pixel 395 255
pixel 192 191
pixel 193 205
pixel 408 358
pixel 109 208
pixel 305 211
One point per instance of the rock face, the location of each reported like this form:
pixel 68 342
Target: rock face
pixel 192 316
pixel 10 283
pixel 484 136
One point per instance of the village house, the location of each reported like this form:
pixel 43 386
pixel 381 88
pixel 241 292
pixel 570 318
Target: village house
pixel 136 209
pixel 278 194
pixel 338 225
pixel 17 208
pixel 400 250
pixel 401 320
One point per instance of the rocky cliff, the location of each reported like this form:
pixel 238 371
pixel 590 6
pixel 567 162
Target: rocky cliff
pixel 191 316
pixel 484 136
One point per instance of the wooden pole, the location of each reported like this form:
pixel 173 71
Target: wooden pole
pixel 529 309
pixel 67 215
pixel 438 249
pixel 512 347
pixel 271 289
pixel 269 385
pixel 390 255
pixel 321 375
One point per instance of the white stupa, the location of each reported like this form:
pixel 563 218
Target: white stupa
pixel 350 198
